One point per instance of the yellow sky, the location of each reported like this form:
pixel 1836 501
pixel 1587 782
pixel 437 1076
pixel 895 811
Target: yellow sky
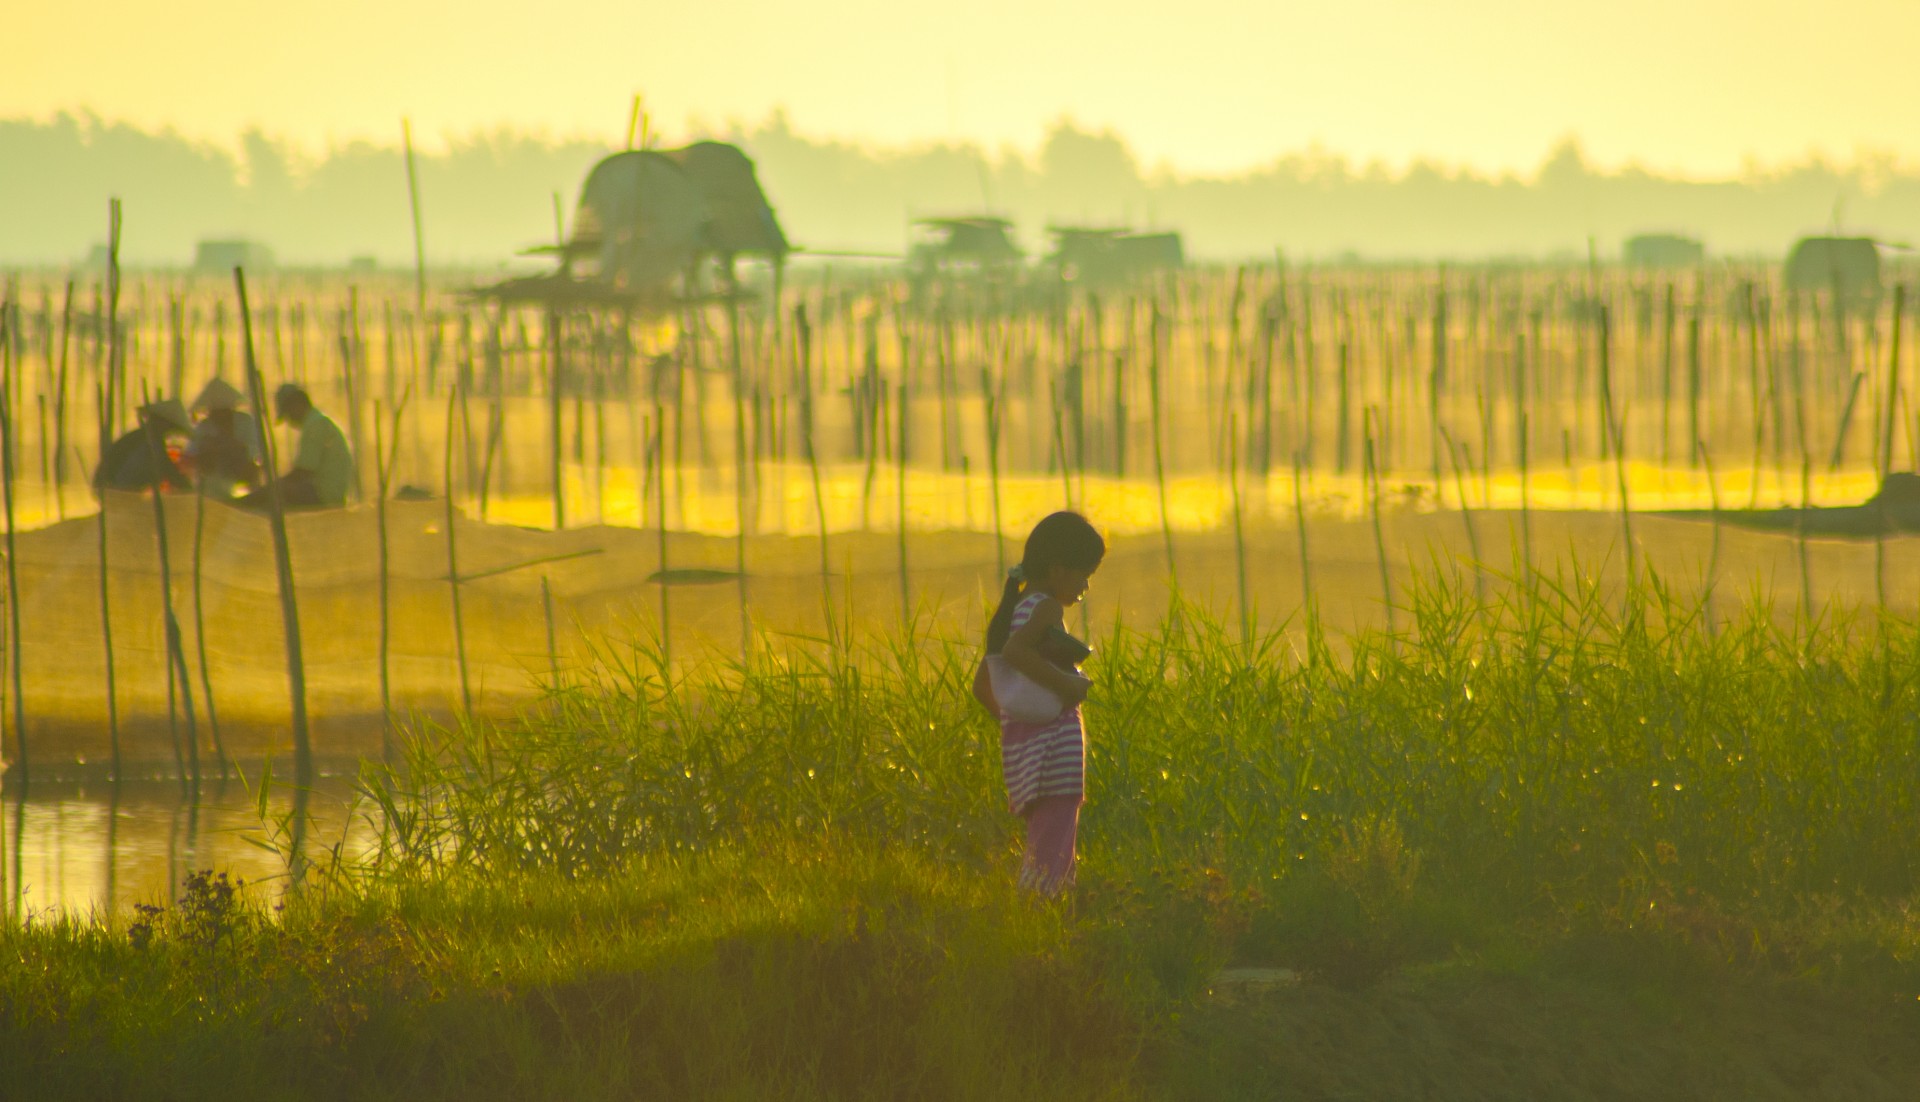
pixel 1695 86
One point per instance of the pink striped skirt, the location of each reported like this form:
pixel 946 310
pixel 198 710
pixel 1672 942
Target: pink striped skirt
pixel 1043 759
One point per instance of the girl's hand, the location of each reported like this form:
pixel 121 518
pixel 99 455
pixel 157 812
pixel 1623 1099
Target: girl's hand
pixel 1073 689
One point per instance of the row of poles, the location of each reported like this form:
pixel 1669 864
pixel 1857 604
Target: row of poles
pixel 1298 369
pixel 1399 360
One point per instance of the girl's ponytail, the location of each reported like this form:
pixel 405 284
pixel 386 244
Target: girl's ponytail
pixel 1001 625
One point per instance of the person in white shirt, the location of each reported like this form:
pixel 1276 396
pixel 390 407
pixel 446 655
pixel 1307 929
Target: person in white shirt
pixel 322 470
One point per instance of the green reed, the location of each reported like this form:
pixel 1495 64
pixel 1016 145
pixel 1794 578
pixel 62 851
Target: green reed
pixel 1545 749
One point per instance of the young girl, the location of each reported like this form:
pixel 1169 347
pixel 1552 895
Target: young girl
pixel 1044 763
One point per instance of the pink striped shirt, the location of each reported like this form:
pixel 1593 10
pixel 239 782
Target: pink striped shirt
pixel 1041 759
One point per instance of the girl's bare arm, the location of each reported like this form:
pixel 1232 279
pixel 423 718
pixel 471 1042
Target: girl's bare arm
pixel 1023 652
pixel 983 689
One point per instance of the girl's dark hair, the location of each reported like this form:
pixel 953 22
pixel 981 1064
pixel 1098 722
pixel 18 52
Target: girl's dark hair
pixel 1060 539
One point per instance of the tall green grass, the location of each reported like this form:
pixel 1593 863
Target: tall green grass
pixel 1565 747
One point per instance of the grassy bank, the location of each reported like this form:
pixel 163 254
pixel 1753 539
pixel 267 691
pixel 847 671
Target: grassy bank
pixel 1569 845
pixel 861 976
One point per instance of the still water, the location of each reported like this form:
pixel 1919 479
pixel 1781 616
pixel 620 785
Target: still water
pixel 81 847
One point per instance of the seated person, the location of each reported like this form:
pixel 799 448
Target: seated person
pixel 322 470
pixel 138 460
pixel 224 454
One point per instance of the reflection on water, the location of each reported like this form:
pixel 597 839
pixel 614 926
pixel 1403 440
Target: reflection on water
pixel 83 847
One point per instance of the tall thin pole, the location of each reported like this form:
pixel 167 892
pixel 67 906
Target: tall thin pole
pixel 282 560
pixel 1239 532
pixel 803 349
pixel 1159 447
pixel 1886 450
pixel 453 562
pixel 106 607
pixel 13 573
pixel 60 407
pixel 1611 431
pixel 992 399
pixel 740 469
pixel 419 236
pixel 555 386
pixel 200 630
pixel 1371 471
pixel 385 454
pixel 553 650
pixel 900 481
pixel 660 514
pixel 103 404
pixel 176 651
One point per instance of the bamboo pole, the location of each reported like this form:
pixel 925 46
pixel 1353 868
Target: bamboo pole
pixel 553 650
pixel 106 608
pixel 740 471
pixel 1454 448
pixel 1159 447
pixel 1308 603
pixel 176 660
pixel 19 832
pixel 1437 379
pixel 1526 505
pixel 599 447
pixel 1614 433
pixel 60 407
pixel 991 398
pixel 900 481
pixel 873 419
pixel 1695 380
pixel 1371 470
pixel 1886 450
pixel 1239 534
pixel 14 646
pixel 557 373
pixel 803 350
pixel 353 385
pixel 419 236
pixel 1755 394
pixel 200 632
pixel 1713 556
pixel 1893 384
pixel 1666 380
pixel 1839 453
pixel 453 560
pixel 1059 445
pixel 283 569
pixel 103 404
pixel 385 453
pixel 660 517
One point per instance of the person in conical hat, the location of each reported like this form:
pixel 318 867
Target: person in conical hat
pixel 138 460
pixel 225 452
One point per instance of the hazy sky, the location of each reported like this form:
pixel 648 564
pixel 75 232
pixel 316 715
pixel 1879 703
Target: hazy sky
pixel 1694 86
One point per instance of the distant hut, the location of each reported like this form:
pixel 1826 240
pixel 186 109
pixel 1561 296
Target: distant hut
pixel 976 241
pixel 1102 256
pixel 223 256
pixel 1845 266
pixel 1663 250
pixel 646 220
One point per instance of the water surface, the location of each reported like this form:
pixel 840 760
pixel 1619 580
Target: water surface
pixel 84 847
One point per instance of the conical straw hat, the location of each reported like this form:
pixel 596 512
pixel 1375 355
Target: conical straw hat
pixel 168 412
pixel 218 394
